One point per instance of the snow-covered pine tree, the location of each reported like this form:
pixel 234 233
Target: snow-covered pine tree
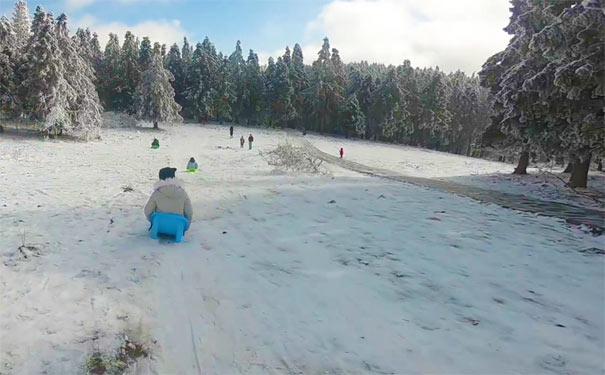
pixel 96 55
pixel 21 24
pixel 237 66
pixel 157 48
pixel 287 57
pixel 110 84
pixel 253 91
pixel 46 91
pixel 129 70
pixel 226 96
pixel 352 120
pixel 145 54
pixel 300 82
pixel 434 95
pixel 84 105
pixel 175 64
pixel 573 80
pixel 9 55
pixel 202 78
pixel 386 97
pixel 411 103
pixel 325 92
pixel 365 96
pixel 154 97
pixel 279 93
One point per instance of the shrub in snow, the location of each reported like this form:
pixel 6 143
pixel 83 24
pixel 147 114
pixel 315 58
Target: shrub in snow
pixel 289 157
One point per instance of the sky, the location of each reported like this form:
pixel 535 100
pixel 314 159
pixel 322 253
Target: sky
pixel 451 34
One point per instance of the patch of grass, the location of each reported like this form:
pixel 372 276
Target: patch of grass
pixel 117 363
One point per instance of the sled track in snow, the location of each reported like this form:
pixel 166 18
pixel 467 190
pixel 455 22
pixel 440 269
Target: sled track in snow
pixel 571 214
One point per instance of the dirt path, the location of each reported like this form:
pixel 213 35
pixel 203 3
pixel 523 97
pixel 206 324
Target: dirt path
pixel 571 214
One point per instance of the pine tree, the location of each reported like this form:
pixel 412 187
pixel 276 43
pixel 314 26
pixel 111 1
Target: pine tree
pixel 325 92
pixel 96 55
pixel 300 84
pixel 226 96
pixel 237 67
pixel 154 97
pixel 202 91
pixel 366 102
pixel 253 91
pixel 548 82
pixel 21 24
pixel 435 117
pixel 9 58
pixel 287 57
pixel 279 93
pixel 388 96
pixel 84 105
pixel 110 83
pixel 352 121
pixel 175 64
pixel 59 88
pixel 45 88
pixel 129 71
pixel 573 80
pixel 145 54
pixel 157 49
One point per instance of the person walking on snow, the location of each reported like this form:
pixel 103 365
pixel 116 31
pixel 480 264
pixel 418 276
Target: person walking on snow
pixel 341 152
pixel 169 196
pixel 155 143
pixel 250 140
pixel 231 131
pixel 242 141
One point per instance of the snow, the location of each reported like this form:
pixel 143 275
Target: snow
pixel 283 273
pixel 541 183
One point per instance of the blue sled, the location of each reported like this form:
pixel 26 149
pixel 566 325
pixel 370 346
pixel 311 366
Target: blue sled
pixel 170 224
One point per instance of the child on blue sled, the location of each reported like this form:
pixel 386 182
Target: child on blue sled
pixel 169 208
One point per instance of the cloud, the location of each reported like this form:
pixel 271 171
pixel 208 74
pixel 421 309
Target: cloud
pixel 162 31
pixel 452 34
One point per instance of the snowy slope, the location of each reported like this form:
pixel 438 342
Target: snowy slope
pixel 280 273
pixel 418 162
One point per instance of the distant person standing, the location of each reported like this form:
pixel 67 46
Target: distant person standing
pixel 231 131
pixel 250 140
pixel 242 141
pixel 341 152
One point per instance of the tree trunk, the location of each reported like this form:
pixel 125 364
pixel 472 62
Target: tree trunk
pixel 568 168
pixel 579 173
pixel 523 163
pixel 599 164
pixel 155 125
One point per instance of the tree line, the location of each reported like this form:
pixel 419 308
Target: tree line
pixel 542 95
pixel 400 104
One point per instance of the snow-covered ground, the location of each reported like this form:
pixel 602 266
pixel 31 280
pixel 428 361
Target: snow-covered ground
pixel 282 273
pixel 542 183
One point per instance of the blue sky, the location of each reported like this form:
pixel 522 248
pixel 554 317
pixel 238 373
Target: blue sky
pixel 260 24
pixel 453 34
